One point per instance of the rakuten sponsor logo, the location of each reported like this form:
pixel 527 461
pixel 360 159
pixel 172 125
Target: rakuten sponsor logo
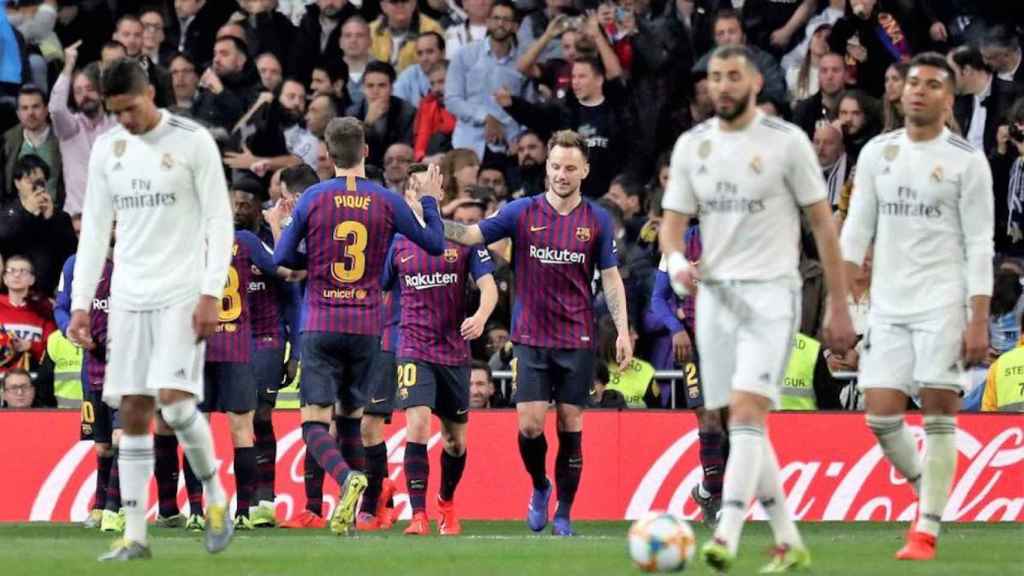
pixel 427 281
pixel 549 255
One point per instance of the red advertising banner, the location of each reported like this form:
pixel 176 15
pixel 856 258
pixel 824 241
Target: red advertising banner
pixel 633 462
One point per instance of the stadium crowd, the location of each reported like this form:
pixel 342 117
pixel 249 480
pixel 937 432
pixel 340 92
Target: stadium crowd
pixel 477 87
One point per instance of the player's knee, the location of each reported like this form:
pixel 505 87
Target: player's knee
pixel 883 425
pixel 264 413
pixel 709 421
pixel 371 428
pixel 180 414
pixel 162 427
pixel 747 411
pixel 104 450
pixel 531 429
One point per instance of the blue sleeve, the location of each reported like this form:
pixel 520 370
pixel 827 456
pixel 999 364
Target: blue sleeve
pixel 502 224
pixel 390 275
pixel 430 238
pixel 62 309
pixel 661 303
pixel 480 262
pixel 286 253
pixel 262 256
pixel 608 253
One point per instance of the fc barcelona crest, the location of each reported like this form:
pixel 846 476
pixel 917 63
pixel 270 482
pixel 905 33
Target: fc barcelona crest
pixel 583 234
pixel 166 162
pixel 451 255
pixel 119 147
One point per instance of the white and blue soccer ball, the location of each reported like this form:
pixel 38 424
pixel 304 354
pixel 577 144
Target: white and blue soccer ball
pixel 661 542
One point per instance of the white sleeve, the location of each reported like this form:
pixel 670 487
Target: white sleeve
pixel 977 222
pixel 803 175
pixel 97 222
pixel 859 227
pixel 679 195
pixel 215 210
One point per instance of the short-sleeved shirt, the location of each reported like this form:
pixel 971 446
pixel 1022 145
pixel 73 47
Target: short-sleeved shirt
pixel 232 340
pixel 555 257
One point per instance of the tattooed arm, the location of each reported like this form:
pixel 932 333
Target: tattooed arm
pixel 463 234
pixel 615 296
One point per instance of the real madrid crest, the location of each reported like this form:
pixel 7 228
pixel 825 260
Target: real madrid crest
pixel 451 255
pixel 937 174
pixel 119 147
pixel 166 162
pixel 704 150
pixel 756 165
pixel 583 234
pixel 891 152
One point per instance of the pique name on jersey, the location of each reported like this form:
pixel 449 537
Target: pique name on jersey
pixel 548 255
pixel 354 202
pixel 423 281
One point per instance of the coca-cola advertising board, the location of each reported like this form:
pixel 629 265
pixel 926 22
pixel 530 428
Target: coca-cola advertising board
pixel 633 462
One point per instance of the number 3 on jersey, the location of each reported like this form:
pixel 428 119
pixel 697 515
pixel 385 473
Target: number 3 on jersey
pixel 352 268
pixel 231 302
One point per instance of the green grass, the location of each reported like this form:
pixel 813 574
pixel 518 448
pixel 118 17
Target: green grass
pixel 492 549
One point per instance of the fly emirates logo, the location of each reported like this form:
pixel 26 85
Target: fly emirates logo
pixel 548 255
pixel 427 281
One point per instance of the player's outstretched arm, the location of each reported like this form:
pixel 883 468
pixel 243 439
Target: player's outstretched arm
pixel 473 327
pixel 615 297
pixel 425 195
pixel 839 329
pixel 462 233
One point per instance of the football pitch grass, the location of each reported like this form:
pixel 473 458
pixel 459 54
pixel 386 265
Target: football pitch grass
pixel 492 549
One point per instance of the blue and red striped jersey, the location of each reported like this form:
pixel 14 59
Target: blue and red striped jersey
pixel 392 317
pixel 96 359
pixel 346 225
pixel 232 342
pixel 554 258
pixel 434 291
pixel 266 293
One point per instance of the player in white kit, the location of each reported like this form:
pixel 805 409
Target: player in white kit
pixel 748 176
pixel 924 197
pixel 160 176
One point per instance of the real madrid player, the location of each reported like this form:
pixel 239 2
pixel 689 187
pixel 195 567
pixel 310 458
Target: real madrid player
pixel 924 197
pixel 161 176
pixel 748 176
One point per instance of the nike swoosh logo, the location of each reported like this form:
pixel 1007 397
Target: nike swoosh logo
pixel 537 228
pixel 377 400
pixel 271 391
pixel 461 412
pixel 406 259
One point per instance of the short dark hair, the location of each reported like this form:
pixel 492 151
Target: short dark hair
pixel 298 178
pixel 435 36
pixel 378 67
pixel 182 56
pixel 416 168
pixel 238 43
pixel 335 68
pixel 127 18
pixel 729 52
pixel 1000 36
pixel 113 45
pixel 22 258
pixel 439 65
pixel 569 139
pixel 124 76
pixel 18 372
pixel 505 4
pixel 28 164
pixel 31 90
pixel 481 365
pixel 594 62
pixel 330 101
pixel 726 14
pixel 346 139
pixel 1015 114
pixel 935 60
pixel 969 56
pixel 249 185
pixel 629 185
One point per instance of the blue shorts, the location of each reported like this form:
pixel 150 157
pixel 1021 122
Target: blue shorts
pixel 229 387
pixel 268 366
pixel 381 395
pixel 564 375
pixel 445 389
pixel 336 367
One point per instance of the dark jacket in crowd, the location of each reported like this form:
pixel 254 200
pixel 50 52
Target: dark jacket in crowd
pixel 14 138
pixel 395 126
pixel 46 242
pixel 306 51
pixel 227 108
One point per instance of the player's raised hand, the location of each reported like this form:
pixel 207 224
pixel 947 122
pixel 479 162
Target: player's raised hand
pixel 473 327
pixel 975 344
pixel 623 350
pixel 204 318
pixel 839 333
pixel 79 331
pixel 432 184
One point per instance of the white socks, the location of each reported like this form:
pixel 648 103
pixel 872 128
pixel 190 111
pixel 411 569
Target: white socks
pixel 899 446
pixel 746 451
pixel 194 435
pixel 773 500
pixel 135 460
pixel 939 468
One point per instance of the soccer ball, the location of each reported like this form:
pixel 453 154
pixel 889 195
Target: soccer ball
pixel 661 542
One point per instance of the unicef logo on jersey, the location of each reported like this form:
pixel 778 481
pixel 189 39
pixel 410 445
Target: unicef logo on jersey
pixel 428 281
pixel 548 255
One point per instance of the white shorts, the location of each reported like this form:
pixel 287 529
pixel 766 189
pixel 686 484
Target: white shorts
pixel 152 350
pixel 744 336
pixel 915 355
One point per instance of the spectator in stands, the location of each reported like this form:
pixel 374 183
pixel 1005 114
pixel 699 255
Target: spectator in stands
pixel 331 79
pixel 388 119
pixel 19 392
pixel 153 35
pixel 112 51
pixel 321 110
pixel 729 32
pixel 266 29
pixel 831 12
pixel 828 145
pixel 90 23
pixel 318 36
pixel 1008 182
pixel 413 82
pixel 635 383
pixel 229 86
pixel 269 68
pixel 481 386
pixel 1001 50
pixel 1004 385
pixel 394 33
pixel 496 337
pixel 859 120
pixel 776 26
pixel 397 160
pixel 233 30
pixel 493 176
pixel 324 163
pixel 32 135
pixel 472 29
pixel 532 156
pixel 460 169
pixel 32 226
pixel 185 84
pixel 600 395
pixel 1005 312
pixel 355 44
pixel 626 193
pixel 892 107
pixel 195 27
pixel 859 303
pixel 282 119
pixel 36 20
pixel 871 39
pixel 802 78
pixel 129 32
pixel 77 130
pixel 823 106
pixel 476 73
pixel 536 23
pixel 434 124
pixel 982 98
pixel 807 383
pixel 26 316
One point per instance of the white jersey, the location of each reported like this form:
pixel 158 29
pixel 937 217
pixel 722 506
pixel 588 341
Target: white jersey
pixel 747 188
pixel 167 192
pixel 928 207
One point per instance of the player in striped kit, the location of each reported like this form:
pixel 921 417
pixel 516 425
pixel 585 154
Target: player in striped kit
pixel 559 240
pixel 433 361
pixel 924 197
pixel 347 224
